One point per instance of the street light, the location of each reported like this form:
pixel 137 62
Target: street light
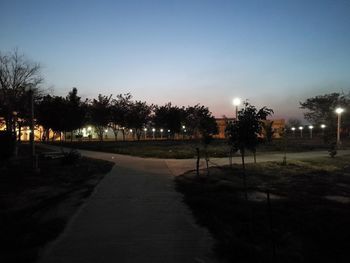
pixel 293 130
pixel 183 132
pixel 301 131
pixel 339 111
pixel 236 102
pixel 310 128
pixel 145 130
pixel 323 126
pixel 153 130
pixel 161 133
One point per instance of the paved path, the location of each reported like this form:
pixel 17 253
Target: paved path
pixel 135 215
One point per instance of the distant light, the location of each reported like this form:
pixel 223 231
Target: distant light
pixel 236 101
pixel 145 129
pixel 184 130
pixel 183 127
pixel 323 126
pixel 339 110
pixel 293 128
pixel 311 127
pixel 106 130
pixel 161 130
pixel 168 130
pixel 89 128
pixel 153 129
pixel 130 130
pixel 301 127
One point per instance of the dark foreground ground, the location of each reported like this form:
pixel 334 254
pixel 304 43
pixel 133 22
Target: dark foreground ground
pixel 35 206
pixel 308 219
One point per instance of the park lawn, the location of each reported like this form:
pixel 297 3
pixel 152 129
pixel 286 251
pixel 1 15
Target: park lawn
pixel 36 206
pixel 309 218
pixel 180 149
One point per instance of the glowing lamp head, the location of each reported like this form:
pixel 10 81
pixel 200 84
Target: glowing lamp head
pixel 168 130
pixel 301 127
pixel 311 127
pixel 145 129
pixel 323 126
pixel 293 128
pixel 161 130
pixel 89 128
pixel 183 127
pixel 153 129
pixel 339 110
pixel 236 101
pixel 130 130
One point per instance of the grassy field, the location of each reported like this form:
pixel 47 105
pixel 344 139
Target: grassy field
pixel 308 219
pixel 187 149
pixel 35 206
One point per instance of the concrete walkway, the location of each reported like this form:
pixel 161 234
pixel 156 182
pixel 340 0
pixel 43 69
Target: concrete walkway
pixel 135 215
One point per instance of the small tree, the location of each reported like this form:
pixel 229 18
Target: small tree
pixel 99 114
pixel 119 113
pixel 202 125
pixel 243 132
pixel 138 116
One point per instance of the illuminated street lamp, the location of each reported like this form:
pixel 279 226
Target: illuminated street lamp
pixel 145 130
pixel 301 131
pixel 236 102
pixel 339 111
pixel 183 132
pixel 310 128
pixel 161 133
pixel 323 126
pixel 153 130
pixel 293 130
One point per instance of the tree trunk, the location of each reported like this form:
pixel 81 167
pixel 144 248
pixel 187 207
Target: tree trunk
pixel 197 164
pixel 115 135
pixel 244 175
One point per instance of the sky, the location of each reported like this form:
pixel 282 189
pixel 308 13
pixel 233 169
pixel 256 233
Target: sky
pixel 272 53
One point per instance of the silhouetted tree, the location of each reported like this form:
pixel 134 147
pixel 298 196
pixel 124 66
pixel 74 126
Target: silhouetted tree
pixel 243 132
pixel 267 130
pixel 321 110
pixel 119 113
pixel 18 75
pixel 74 113
pixel 200 123
pixel 169 118
pixel 138 116
pixel 51 114
pixel 99 114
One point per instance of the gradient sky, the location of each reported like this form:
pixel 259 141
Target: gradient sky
pixel 274 53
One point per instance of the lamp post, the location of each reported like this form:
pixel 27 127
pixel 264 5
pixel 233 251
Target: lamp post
pixel 293 130
pixel 161 133
pixel 339 111
pixel 323 126
pixel 236 102
pixel 153 130
pixel 310 128
pixel 145 130
pixel 301 131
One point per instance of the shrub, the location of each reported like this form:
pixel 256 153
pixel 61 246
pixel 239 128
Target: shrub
pixel 71 157
pixel 7 145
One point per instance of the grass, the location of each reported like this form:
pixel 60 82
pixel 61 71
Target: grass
pixel 179 149
pixel 310 210
pixel 35 206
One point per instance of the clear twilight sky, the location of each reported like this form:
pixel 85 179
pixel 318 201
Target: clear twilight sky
pixel 274 53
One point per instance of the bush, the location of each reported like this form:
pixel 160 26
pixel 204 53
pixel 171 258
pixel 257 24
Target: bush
pixel 71 157
pixel 7 145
